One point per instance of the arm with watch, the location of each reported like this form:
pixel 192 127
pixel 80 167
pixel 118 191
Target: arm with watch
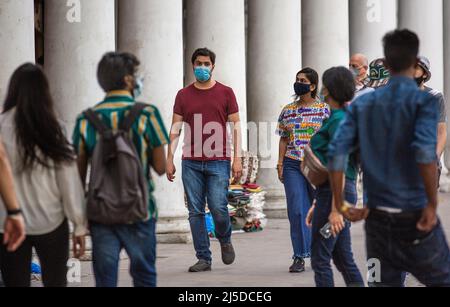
pixel 14 227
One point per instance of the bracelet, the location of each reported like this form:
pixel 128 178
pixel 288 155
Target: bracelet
pixel 12 213
pixel 344 208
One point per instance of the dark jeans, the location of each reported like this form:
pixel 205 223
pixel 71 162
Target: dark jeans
pixel 395 243
pixel 138 240
pixel 53 252
pixel 337 248
pixel 299 197
pixel 207 182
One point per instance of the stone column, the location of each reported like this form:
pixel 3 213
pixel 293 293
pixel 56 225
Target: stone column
pixel 16 38
pixel 274 58
pixel 426 19
pixel 220 26
pixel 447 79
pixel 77 34
pixel 370 20
pixel 325 29
pixel 153 31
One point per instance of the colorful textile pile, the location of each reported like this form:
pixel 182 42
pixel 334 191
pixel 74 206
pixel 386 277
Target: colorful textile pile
pixel 245 205
pixel 246 200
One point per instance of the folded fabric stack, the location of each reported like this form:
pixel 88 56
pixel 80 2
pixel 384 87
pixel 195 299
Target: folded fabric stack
pixel 246 200
pixel 245 205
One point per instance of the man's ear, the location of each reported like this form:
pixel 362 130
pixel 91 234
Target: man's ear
pixel 129 82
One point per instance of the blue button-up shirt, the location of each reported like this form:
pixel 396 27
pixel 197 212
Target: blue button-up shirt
pixel 395 129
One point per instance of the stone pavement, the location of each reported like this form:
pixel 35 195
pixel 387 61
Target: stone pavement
pixel 262 260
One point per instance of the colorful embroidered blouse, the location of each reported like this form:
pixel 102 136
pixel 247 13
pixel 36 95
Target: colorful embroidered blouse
pixel 299 124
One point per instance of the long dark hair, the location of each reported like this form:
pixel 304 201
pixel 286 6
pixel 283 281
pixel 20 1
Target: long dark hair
pixel 35 119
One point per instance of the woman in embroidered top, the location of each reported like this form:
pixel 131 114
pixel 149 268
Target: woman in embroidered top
pixel 298 122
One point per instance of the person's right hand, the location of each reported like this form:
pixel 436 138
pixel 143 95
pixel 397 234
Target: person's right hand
pixel 337 223
pixel 170 170
pixel 280 173
pixel 14 232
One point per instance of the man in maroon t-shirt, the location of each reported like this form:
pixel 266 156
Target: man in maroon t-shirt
pixel 209 114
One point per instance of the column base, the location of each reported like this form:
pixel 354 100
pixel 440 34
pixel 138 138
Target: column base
pixel 173 230
pixel 275 207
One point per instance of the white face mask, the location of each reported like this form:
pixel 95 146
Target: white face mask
pixel 139 87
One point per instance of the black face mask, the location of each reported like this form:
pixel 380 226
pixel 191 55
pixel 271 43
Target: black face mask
pixel 420 80
pixel 302 89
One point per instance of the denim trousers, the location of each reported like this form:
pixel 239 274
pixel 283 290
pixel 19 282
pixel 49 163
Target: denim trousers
pixel 207 182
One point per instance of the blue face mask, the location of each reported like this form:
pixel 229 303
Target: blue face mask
pixel 355 72
pixel 139 87
pixel 202 74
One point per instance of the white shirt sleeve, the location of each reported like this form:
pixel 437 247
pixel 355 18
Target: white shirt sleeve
pixel 73 199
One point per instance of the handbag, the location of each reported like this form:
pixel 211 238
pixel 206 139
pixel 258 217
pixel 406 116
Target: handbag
pixel 313 169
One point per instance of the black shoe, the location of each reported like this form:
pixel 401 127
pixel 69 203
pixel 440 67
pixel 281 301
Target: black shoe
pixel 298 266
pixel 200 266
pixel 228 254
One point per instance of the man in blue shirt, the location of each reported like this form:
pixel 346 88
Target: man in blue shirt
pixel 394 129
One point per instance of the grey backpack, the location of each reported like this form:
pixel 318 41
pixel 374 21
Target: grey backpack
pixel 118 191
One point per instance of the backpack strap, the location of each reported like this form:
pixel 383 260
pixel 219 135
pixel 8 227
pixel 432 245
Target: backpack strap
pixel 98 124
pixel 129 120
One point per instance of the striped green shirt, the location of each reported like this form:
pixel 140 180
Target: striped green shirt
pixel 148 132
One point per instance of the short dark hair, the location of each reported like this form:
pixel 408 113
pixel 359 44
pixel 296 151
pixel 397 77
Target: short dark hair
pixel 401 49
pixel 204 52
pixel 114 67
pixel 340 84
pixel 313 77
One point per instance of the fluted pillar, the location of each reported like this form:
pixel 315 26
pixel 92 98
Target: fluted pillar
pixel 16 38
pixel 220 26
pixel 426 19
pixel 153 31
pixel 370 20
pixel 274 58
pixel 325 29
pixel 77 34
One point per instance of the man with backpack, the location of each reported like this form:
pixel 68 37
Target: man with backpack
pixel 121 140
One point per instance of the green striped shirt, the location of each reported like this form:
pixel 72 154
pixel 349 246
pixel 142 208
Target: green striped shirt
pixel 148 132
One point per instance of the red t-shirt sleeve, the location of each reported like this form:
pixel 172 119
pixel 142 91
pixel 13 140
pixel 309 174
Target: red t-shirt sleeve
pixel 178 107
pixel 232 106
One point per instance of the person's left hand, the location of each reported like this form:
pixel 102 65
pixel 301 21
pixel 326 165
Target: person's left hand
pixel 237 169
pixel 79 246
pixel 428 220
pixel 355 215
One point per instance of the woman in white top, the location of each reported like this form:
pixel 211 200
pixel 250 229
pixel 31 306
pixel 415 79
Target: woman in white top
pixel 46 178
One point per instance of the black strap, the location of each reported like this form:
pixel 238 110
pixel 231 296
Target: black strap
pixel 129 120
pixel 98 124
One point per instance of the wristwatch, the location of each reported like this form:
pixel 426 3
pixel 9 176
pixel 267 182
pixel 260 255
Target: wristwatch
pixel 15 212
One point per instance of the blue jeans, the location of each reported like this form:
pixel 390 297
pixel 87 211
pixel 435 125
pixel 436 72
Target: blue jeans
pixel 299 196
pixel 393 240
pixel 138 240
pixel 207 182
pixel 337 248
